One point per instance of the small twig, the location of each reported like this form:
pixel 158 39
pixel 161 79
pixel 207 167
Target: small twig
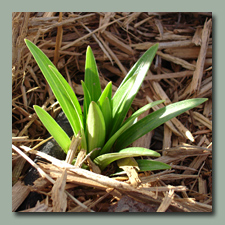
pixel 166 201
pixel 43 174
pixel 98 41
pixel 73 148
pixel 87 156
pixel 89 34
pixel 79 203
pixel 42 142
pixel 104 180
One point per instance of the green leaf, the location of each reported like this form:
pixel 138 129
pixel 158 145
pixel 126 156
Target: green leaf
pixel 53 128
pixel 68 100
pixel 87 100
pixel 139 71
pixel 107 147
pixel 107 93
pixel 150 165
pixel 120 95
pixel 107 114
pixel 83 139
pixel 148 56
pixel 61 89
pixel 91 77
pixel 95 128
pixel 146 165
pixel 103 160
pixel 143 109
pixel 154 120
pixel 104 103
pixel 118 100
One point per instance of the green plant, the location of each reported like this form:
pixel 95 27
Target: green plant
pixel 102 123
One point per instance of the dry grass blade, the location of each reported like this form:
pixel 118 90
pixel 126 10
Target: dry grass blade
pixel 75 143
pixel 116 42
pixel 100 44
pixel 58 40
pixel 163 45
pixel 166 201
pixel 176 60
pixel 40 207
pixel 17 169
pixel 196 82
pixel 169 75
pixel 42 173
pixel 56 172
pixel 103 180
pixel 106 19
pixel 17 200
pixel 120 65
pixel 169 123
pixel 88 35
pixel 80 158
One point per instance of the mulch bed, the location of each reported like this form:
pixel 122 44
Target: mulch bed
pixel 182 69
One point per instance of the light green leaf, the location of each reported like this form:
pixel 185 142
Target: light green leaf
pixel 154 120
pixel 107 93
pixel 61 89
pixel 95 128
pixel 53 128
pixel 91 77
pixel 107 147
pixel 103 160
pixel 139 70
pixel 68 100
pixel 107 114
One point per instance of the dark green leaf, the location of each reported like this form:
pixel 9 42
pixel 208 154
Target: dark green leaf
pixel 107 147
pixel 154 120
pixel 122 105
pixel 150 165
pixel 87 101
pixel 107 114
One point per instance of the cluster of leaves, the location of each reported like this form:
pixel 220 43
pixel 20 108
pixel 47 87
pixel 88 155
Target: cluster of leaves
pixel 102 122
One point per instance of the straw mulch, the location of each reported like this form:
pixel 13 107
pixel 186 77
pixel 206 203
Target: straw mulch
pixel 182 69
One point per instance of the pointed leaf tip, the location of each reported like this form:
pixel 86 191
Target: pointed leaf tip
pixel 91 77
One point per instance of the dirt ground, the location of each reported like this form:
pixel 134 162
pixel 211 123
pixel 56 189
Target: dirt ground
pixel 182 69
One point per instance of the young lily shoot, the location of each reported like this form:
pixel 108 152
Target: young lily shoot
pixel 106 132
